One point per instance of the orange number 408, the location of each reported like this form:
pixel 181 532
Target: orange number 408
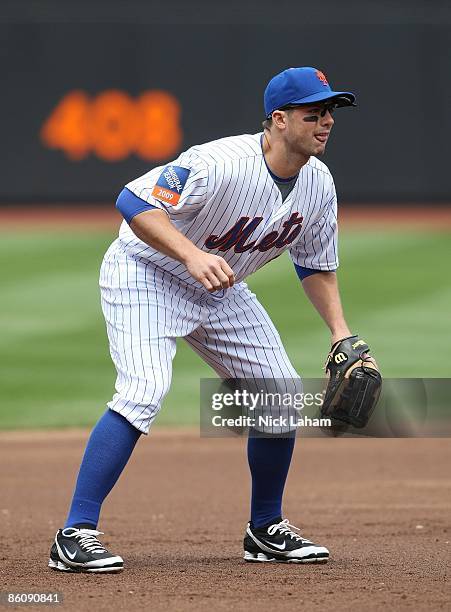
pixel 113 125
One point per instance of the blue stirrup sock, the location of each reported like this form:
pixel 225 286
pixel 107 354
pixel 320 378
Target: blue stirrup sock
pixel 269 461
pixel 112 442
pixel 109 448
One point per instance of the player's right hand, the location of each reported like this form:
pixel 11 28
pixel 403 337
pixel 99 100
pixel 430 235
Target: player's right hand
pixel 211 270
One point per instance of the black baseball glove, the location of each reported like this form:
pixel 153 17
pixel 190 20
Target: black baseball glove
pixel 354 383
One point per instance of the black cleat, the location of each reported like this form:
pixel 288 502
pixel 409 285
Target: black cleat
pixel 279 543
pixel 79 550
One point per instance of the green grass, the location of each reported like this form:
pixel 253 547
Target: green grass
pixel 55 365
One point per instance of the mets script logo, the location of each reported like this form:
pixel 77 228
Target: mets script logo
pixel 238 235
pixel 322 77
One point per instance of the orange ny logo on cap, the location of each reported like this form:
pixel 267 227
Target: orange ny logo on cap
pixel 322 77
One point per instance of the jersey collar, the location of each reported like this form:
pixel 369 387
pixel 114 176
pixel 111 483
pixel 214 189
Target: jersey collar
pixel 274 177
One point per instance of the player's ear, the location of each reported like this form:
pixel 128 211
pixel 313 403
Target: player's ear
pixel 279 119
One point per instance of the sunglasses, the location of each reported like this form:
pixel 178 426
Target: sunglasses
pixel 326 106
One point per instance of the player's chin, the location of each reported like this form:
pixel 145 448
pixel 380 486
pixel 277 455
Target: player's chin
pixel 319 148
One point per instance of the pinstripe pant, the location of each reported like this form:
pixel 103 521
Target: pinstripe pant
pixel 146 309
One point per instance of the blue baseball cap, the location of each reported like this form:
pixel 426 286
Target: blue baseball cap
pixel 302 86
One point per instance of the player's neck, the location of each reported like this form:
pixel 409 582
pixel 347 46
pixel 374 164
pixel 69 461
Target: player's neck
pixel 281 162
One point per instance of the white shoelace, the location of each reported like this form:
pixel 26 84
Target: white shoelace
pixel 88 540
pixel 285 528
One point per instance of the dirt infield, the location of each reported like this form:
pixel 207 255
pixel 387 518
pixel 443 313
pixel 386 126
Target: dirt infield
pixel 178 513
pixel 95 217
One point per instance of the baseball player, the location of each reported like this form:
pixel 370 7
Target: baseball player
pixel 193 230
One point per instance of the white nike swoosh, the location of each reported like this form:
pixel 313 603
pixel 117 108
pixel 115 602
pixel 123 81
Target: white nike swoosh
pixel 279 546
pixel 69 554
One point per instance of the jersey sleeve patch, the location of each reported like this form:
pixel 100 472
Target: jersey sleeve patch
pixel 170 184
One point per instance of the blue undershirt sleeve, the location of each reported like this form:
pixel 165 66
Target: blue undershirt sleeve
pixel 306 272
pixel 129 205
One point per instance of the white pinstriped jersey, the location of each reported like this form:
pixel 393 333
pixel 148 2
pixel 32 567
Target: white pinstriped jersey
pixel 230 206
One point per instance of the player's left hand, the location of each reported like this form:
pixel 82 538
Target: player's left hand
pixel 354 382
